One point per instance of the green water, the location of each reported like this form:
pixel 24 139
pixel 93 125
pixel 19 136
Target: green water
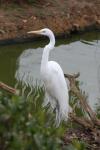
pixel 78 53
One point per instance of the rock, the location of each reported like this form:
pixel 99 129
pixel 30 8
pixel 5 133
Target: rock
pixel 98 22
pixel 24 21
pixel 2 31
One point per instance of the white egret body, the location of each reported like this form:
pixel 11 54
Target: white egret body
pixel 54 81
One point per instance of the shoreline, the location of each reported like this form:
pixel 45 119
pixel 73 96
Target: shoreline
pixel 63 17
pixel 20 40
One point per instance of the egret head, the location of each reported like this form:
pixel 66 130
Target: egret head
pixel 45 31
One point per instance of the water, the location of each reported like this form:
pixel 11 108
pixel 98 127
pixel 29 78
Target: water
pixel 79 53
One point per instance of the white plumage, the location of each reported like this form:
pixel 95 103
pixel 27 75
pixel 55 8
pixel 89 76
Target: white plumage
pixel 54 81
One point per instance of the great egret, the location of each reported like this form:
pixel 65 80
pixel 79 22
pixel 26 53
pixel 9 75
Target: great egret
pixel 54 81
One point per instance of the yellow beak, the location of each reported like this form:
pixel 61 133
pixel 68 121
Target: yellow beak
pixel 34 32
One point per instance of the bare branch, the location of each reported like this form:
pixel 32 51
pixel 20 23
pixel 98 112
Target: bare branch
pixel 77 92
pixel 72 76
pixel 9 89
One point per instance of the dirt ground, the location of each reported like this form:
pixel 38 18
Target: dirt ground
pixel 84 135
pixel 62 16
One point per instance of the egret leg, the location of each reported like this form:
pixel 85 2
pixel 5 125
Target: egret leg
pixel 58 115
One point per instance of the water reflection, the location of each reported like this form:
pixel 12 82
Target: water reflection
pixel 28 71
pixel 80 56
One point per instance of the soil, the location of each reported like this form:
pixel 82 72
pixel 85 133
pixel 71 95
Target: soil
pixel 61 16
pixel 85 135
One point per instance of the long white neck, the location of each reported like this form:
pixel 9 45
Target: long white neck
pixel 46 51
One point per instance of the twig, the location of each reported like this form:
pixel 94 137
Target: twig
pixel 87 124
pixel 82 121
pixel 72 76
pixel 9 89
pixel 82 98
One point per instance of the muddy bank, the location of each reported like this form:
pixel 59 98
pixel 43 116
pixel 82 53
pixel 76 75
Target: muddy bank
pixel 62 16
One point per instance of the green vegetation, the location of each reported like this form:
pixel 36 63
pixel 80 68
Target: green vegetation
pixel 77 145
pixel 24 125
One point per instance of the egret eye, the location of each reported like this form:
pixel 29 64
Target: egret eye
pixel 44 31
